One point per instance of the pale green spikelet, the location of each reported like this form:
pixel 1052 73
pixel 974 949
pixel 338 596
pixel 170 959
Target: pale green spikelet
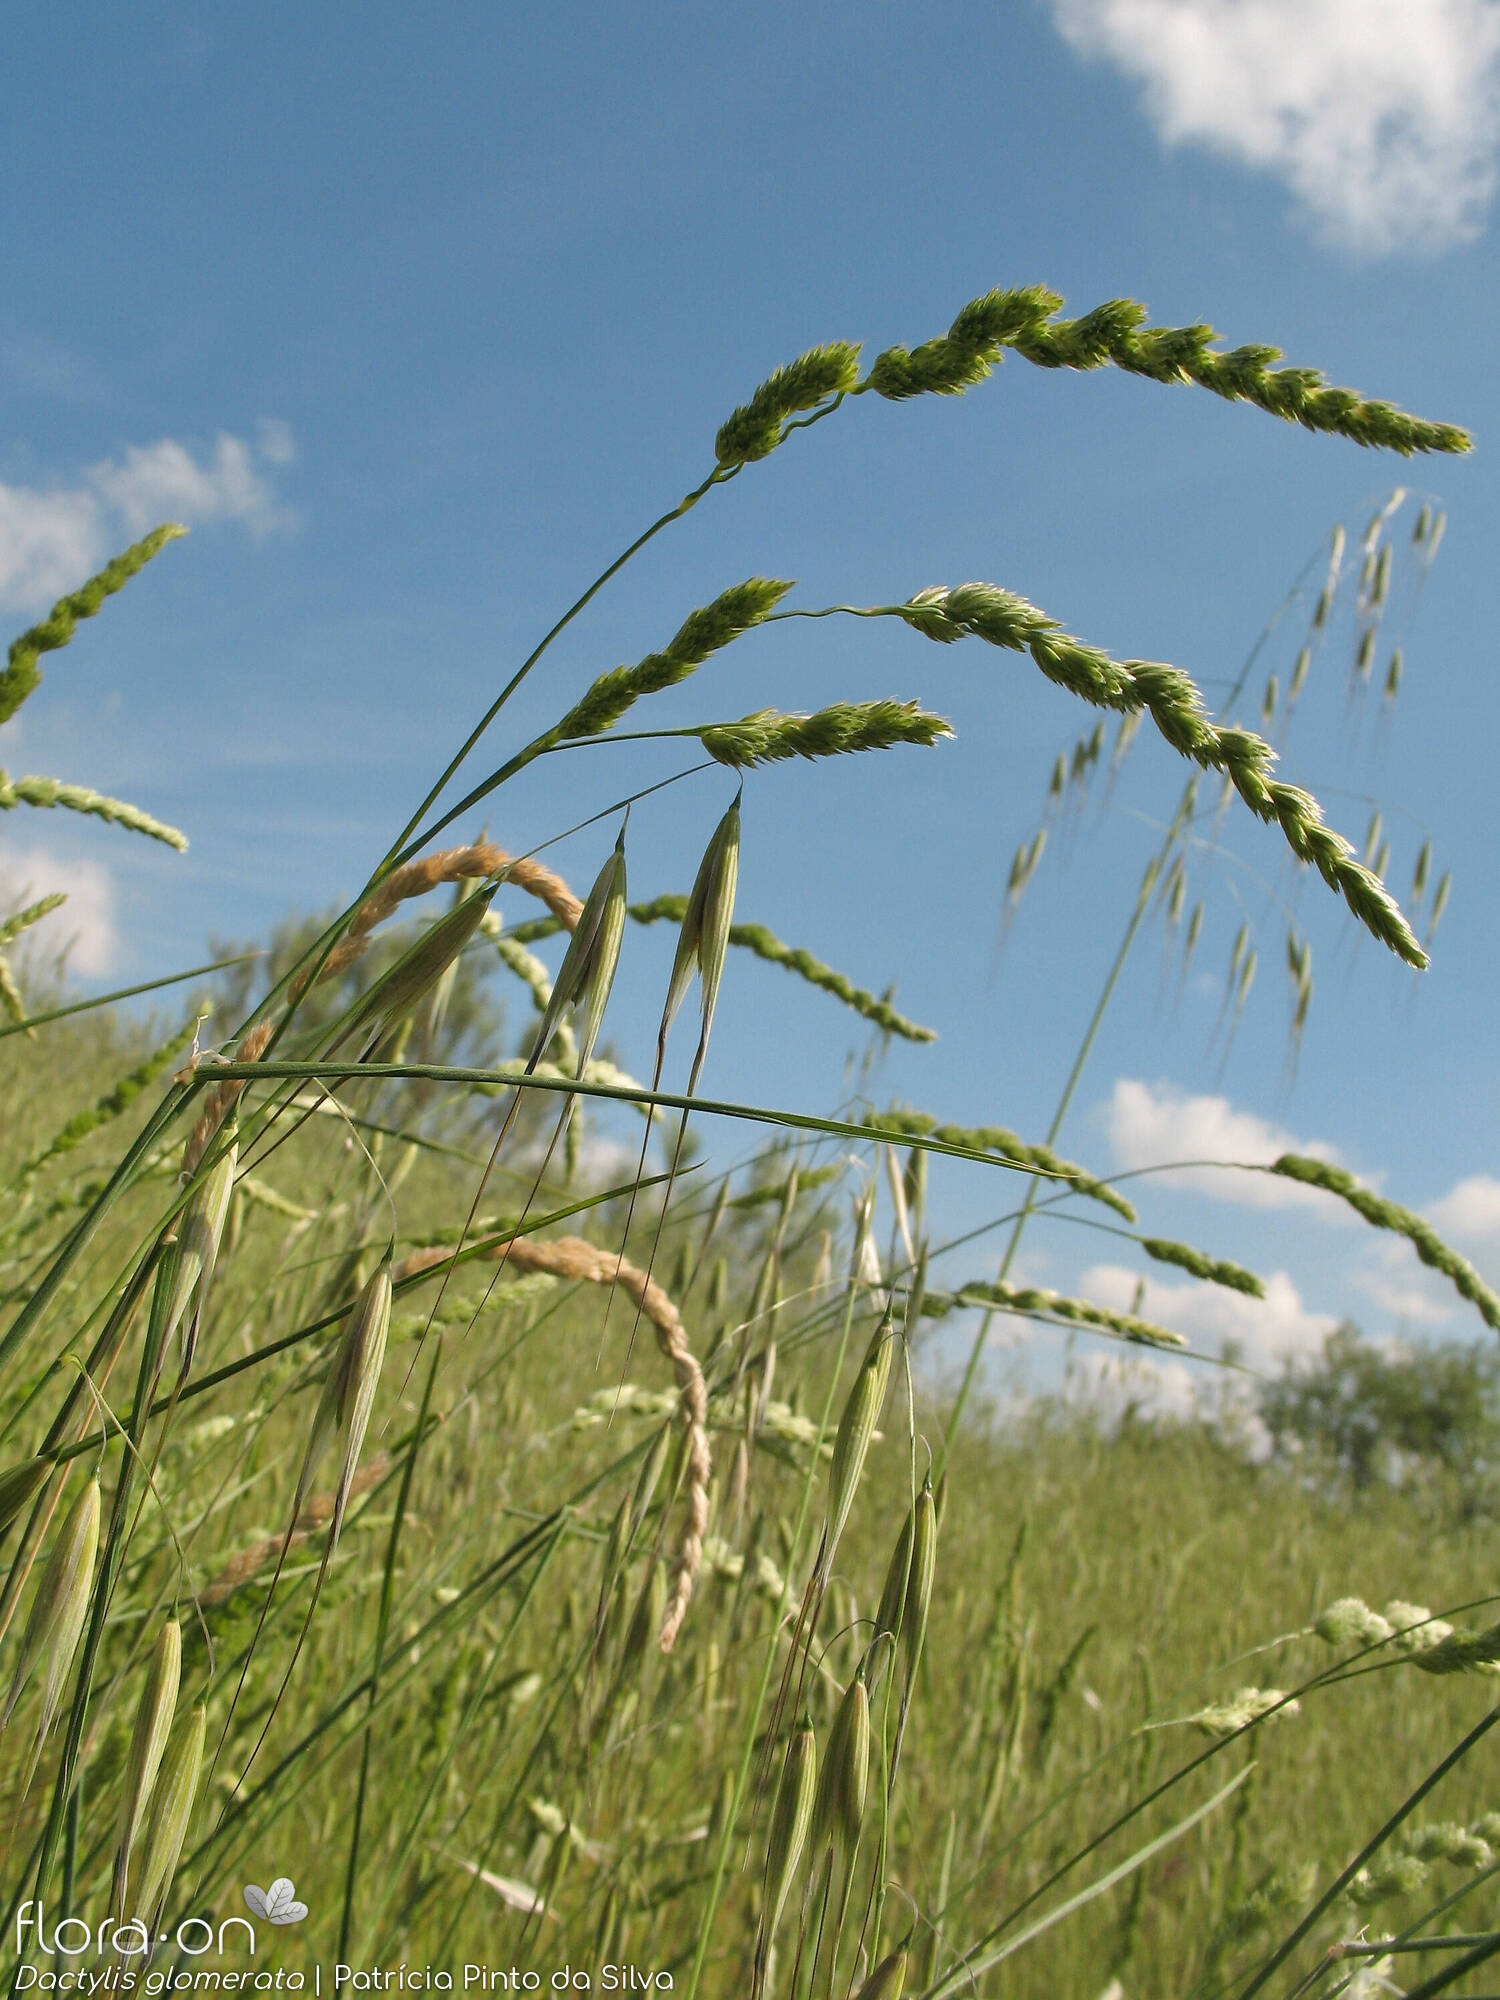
pixel 1194 932
pixel 1413 1628
pixel 187 1270
pixel 703 938
pixel 22 674
pixel 47 792
pixel 349 1395
pixel 839 1802
pixel 705 631
pixel 791 1817
pixel 19 1486
pixel 1395 1878
pixel 1383 1214
pixel 57 1614
pixel 1299 674
pixel 400 988
pixel 887 1980
pixel 844 728
pixel 11 998
pixel 1421 871
pixel 1004 1144
pixel 856 1428
pixel 1175 705
pixel 1213 1270
pixel 1439 902
pixel 171 1812
pixel 148 1742
pixel 755 428
pixel 588 968
pixel 1393 674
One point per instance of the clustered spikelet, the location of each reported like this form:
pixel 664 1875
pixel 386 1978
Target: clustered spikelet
pixel 704 632
pixel 1461 1847
pixel 843 728
pixel 1170 697
pixel 1041 1301
pixel 755 429
pixel 1213 1270
pixel 1025 320
pixel 1351 1621
pixel 1245 1706
pixel 1383 1214
pixel 756 938
pixel 36 791
pixel 22 674
pixel 148 1742
pixel 996 1139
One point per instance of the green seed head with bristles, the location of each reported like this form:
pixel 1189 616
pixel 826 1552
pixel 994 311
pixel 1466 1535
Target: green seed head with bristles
pixel 755 428
pixel 887 1980
pixel 349 1394
pixel 856 1428
pixel 57 1614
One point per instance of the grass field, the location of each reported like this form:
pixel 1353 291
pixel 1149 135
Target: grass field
pixel 629 1585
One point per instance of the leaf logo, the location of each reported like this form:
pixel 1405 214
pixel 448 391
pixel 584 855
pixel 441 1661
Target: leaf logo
pixel 278 1904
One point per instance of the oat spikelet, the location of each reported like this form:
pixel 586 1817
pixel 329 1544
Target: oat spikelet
pixel 887 1980
pixel 171 1810
pixel 570 1257
pixel 148 1742
pixel 57 1614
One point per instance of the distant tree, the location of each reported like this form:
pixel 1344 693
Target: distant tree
pixel 1367 1413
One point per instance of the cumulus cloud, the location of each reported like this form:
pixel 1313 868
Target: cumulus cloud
pixel 1264 1330
pixel 52 538
pixel 1470 1212
pixel 1382 116
pixel 1155 1124
pixel 84 927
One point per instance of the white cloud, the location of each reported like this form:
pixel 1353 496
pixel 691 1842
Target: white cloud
pixel 1152 1125
pixel 1382 116
pixel 53 538
pixel 1470 1211
pixel 84 926
pixel 1209 1315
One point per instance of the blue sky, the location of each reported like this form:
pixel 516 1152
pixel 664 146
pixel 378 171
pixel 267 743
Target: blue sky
pixel 417 318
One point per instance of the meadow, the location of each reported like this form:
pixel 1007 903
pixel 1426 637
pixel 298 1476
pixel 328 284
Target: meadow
pixel 544 1567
